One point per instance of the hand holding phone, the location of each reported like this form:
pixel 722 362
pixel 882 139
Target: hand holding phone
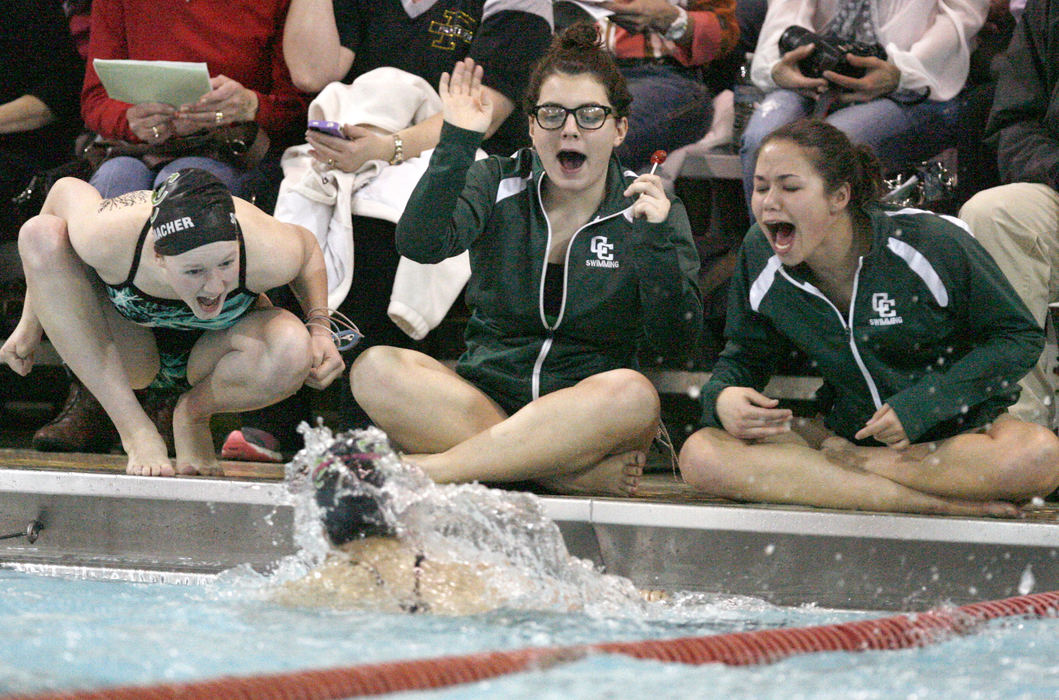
pixel 329 128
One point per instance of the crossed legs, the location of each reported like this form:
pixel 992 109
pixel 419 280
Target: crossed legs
pixel 979 473
pixel 591 437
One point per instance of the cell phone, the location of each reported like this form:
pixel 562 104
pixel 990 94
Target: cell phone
pixel 329 128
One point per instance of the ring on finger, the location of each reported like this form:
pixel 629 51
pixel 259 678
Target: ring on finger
pixel 154 131
pixel 330 162
pixel 218 117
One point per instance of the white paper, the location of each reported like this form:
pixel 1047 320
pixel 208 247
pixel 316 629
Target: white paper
pixel 593 8
pixel 169 82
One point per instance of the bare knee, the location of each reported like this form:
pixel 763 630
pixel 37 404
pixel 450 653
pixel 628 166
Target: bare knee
pixel 701 463
pixel 42 240
pixel 629 398
pixel 373 369
pixel 1031 460
pixel 287 353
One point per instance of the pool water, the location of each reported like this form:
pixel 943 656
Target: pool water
pixel 65 631
pixel 62 633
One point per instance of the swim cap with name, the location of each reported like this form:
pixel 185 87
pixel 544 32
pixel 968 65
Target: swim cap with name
pixel 191 208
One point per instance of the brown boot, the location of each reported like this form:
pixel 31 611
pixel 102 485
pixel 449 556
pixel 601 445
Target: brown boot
pixel 81 426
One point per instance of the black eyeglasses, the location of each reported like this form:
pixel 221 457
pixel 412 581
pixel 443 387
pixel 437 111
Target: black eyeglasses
pixel 590 116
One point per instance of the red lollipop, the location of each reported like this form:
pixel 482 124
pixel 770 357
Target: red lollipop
pixel 657 158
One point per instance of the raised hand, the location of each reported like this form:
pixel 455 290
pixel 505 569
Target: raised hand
pixel 465 103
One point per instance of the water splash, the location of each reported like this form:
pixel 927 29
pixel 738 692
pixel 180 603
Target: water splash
pixel 498 545
pixel 1027 581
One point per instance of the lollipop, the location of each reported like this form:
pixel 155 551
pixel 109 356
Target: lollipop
pixel 657 158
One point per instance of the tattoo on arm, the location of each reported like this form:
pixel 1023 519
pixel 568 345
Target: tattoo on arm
pixel 125 200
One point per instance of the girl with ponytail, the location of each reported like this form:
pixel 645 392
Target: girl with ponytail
pixel 918 336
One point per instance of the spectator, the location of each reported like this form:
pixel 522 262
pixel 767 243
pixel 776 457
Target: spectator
pixel 240 42
pixel 976 158
pixel 39 105
pixel 662 49
pixel 166 289
pixel 903 107
pixel 326 42
pixel 575 267
pixel 918 336
pixel 1018 222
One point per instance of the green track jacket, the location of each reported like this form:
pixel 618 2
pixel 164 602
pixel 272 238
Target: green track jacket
pixel 626 281
pixel 934 329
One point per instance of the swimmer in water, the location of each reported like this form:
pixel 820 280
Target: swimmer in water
pixel 378 564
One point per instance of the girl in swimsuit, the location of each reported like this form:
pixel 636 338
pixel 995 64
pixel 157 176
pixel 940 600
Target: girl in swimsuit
pixel 187 258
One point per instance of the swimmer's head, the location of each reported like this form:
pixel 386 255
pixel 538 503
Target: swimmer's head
pixel 348 484
pixel 191 208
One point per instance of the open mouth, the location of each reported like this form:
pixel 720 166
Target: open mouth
pixel 782 234
pixel 571 161
pixel 209 305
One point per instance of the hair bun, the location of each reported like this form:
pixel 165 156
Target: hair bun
pixel 580 36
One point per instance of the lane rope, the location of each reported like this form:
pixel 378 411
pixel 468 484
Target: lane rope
pixel 739 648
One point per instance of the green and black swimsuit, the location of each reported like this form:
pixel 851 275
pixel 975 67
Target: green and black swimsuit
pixel 176 328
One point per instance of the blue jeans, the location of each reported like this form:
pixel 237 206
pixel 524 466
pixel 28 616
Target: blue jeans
pixel 126 174
pixel 671 107
pixel 899 134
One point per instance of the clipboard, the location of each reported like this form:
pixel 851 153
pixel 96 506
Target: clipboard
pixel 169 82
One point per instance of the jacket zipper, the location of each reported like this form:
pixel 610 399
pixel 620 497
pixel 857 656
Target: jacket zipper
pixel 847 326
pixel 542 354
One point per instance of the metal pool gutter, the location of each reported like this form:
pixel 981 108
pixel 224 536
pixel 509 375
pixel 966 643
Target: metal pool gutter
pixel 792 555
pixel 116 521
pixel 100 524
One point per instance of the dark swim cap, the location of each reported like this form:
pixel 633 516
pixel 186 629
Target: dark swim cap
pixel 347 490
pixel 191 208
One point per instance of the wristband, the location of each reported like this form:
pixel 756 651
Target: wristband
pixel 679 26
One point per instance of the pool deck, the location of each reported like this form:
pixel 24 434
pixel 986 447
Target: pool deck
pixel 96 519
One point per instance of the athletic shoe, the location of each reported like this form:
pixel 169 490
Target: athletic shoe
pixel 251 445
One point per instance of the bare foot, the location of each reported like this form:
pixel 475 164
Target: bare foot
pixel 846 454
pixel 147 454
pixel 194 444
pixel 617 475
pixel 992 509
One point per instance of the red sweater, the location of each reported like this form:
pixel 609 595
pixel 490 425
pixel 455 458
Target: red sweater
pixel 716 31
pixel 242 39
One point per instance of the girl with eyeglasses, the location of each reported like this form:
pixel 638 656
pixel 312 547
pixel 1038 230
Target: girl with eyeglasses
pixel 577 269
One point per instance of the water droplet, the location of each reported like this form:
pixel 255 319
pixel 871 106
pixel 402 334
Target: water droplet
pixel 1027 581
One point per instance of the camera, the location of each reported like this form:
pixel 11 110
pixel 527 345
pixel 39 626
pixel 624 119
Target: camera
pixel 829 52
